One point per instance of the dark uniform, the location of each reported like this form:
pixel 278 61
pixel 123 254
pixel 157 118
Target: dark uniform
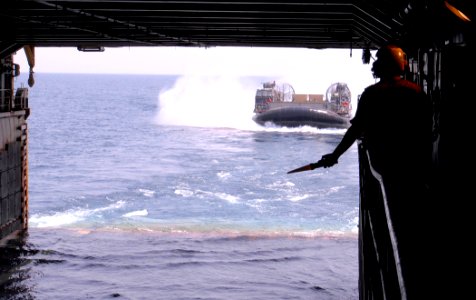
pixel 394 121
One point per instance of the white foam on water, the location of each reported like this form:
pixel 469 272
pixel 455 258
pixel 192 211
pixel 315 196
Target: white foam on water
pixel 146 192
pixel 137 213
pixel 70 216
pixel 227 197
pixel 223 175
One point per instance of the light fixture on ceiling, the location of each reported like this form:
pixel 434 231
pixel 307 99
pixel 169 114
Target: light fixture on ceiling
pixel 91 48
pixel 457 12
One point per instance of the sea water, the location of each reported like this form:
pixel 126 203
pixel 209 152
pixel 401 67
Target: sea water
pixel 162 187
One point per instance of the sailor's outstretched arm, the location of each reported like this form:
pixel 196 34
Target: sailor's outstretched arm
pixel 348 139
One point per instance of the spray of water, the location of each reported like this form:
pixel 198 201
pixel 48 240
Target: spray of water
pixel 208 101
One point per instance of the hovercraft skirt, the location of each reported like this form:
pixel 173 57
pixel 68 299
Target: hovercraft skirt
pixel 302 116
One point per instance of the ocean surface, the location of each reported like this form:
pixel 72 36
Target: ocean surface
pixel 162 187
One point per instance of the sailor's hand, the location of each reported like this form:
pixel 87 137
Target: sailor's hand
pixel 328 160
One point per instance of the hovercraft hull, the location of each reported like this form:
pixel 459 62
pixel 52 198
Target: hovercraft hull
pixel 302 116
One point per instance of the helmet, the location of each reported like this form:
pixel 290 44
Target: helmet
pixel 393 58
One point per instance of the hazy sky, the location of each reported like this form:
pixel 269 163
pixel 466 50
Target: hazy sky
pixel 308 70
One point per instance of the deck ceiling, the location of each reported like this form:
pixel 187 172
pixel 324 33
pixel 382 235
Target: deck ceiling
pixel 116 23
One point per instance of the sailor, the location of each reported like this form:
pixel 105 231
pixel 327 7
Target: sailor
pixel 394 121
